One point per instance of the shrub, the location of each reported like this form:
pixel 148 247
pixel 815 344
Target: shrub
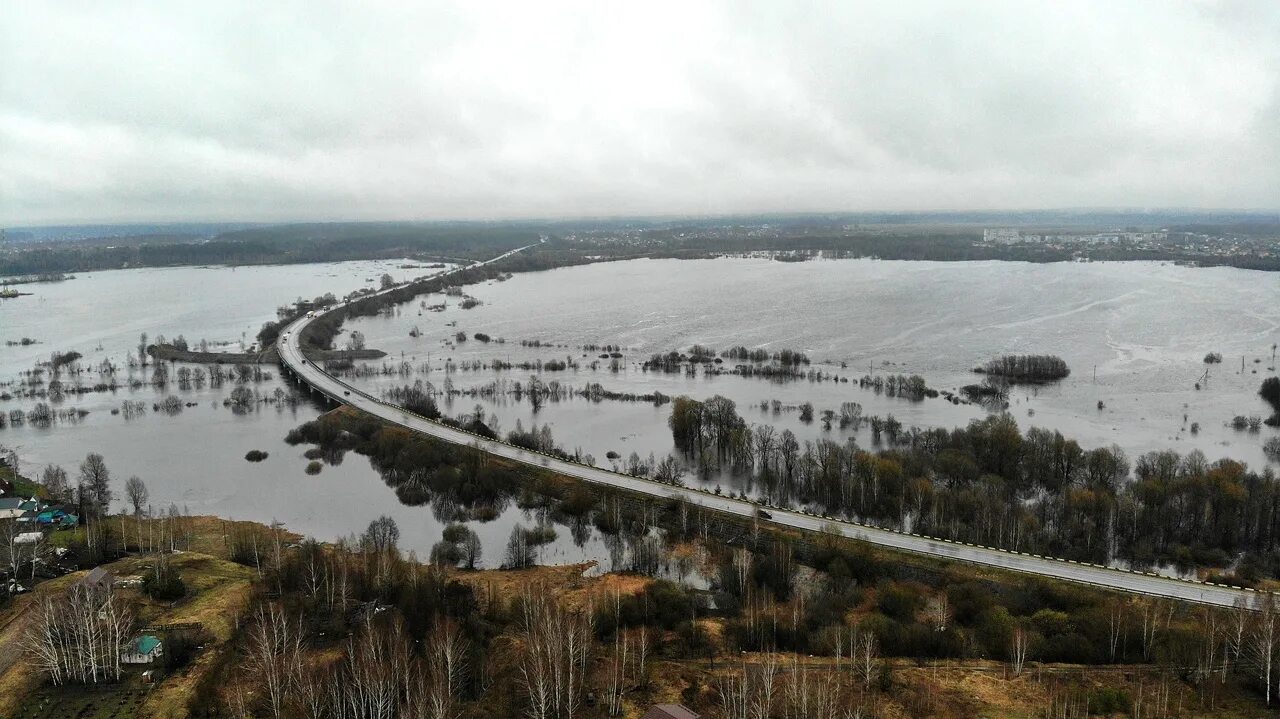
pixel 255 455
pixel 1109 700
pixel 314 467
pixel 163 584
pixel 1271 392
pixel 1027 368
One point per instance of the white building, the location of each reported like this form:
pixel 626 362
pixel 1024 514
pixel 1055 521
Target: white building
pixel 1001 236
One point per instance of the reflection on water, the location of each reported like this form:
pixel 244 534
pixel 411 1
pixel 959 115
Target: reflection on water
pixel 1145 326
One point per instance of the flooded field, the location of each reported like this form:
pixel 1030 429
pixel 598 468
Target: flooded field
pixel 1135 336
pixel 1146 328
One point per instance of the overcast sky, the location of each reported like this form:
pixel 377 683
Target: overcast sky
pixel 381 110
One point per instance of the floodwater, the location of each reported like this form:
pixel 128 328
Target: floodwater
pixel 1145 327
pixel 1134 335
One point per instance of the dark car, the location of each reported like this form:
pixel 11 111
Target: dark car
pixel 763 514
pixel 345 391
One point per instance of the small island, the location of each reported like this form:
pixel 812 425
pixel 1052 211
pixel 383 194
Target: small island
pixel 1026 369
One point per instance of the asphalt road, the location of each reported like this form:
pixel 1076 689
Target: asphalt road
pixel 1095 575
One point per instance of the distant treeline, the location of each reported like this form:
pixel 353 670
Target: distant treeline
pixel 321 332
pixel 280 245
pixel 586 242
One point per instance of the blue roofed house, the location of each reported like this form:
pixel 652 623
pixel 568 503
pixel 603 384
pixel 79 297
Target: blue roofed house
pixel 144 649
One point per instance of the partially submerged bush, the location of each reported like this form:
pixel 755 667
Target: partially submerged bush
pixel 255 455
pixel 1027 368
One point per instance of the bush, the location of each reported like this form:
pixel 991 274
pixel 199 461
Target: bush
pixel 255 455
pixel 1109 700
pixel 1271 392
pixel 314 467
pixel 1027 368
pixel 163 584
pixel 897 601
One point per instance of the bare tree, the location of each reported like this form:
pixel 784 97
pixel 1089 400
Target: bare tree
pixel 136 492
pixel 939 612
pixel 766 687
pixel 275 652
pixel 54 479
pixel 95 486
pixel 735 694
pixel 669 471
pixel 472 549
pixel 446 653
pixel 1237 631
pixel 376 671
pixel 556 655
pixel 14 550
pixel 742 569
pixel 616 681
pixel 866 657
pixel 79 636
pixel 1115 625
pixel 1020 642
pixel 1266 634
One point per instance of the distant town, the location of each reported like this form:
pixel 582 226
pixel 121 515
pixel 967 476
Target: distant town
pixel 1211 245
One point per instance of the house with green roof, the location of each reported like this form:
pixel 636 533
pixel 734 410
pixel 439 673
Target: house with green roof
pixel 144 649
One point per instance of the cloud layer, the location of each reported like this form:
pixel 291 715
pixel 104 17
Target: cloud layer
pixel 380 110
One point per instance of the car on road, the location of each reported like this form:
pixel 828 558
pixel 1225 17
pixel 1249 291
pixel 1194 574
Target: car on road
pixel 763 514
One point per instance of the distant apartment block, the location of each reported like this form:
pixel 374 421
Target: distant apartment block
pixel 1001 236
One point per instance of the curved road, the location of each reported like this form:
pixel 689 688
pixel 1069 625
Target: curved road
pixel 1091 574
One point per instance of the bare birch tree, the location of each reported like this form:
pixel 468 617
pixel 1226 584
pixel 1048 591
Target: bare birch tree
pixel 79 636
pixel 274 654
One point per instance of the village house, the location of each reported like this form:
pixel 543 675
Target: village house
pixel 144 649
pixel 98 577
pixel 670 711
pixel 17 508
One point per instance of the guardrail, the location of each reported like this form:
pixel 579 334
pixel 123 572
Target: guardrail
pixel 749 507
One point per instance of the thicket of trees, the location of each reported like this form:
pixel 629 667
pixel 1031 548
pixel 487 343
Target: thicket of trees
pixel 989 483
pixel 1027 368
pixel 77 637
pixel 418 468
pixel 1271 393
pixel 357 623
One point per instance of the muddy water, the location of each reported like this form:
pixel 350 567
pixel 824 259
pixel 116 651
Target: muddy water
pixel 1145 326
pixel 1134 334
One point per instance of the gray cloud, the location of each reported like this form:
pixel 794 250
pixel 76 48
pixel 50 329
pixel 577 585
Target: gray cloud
pixel 310 110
